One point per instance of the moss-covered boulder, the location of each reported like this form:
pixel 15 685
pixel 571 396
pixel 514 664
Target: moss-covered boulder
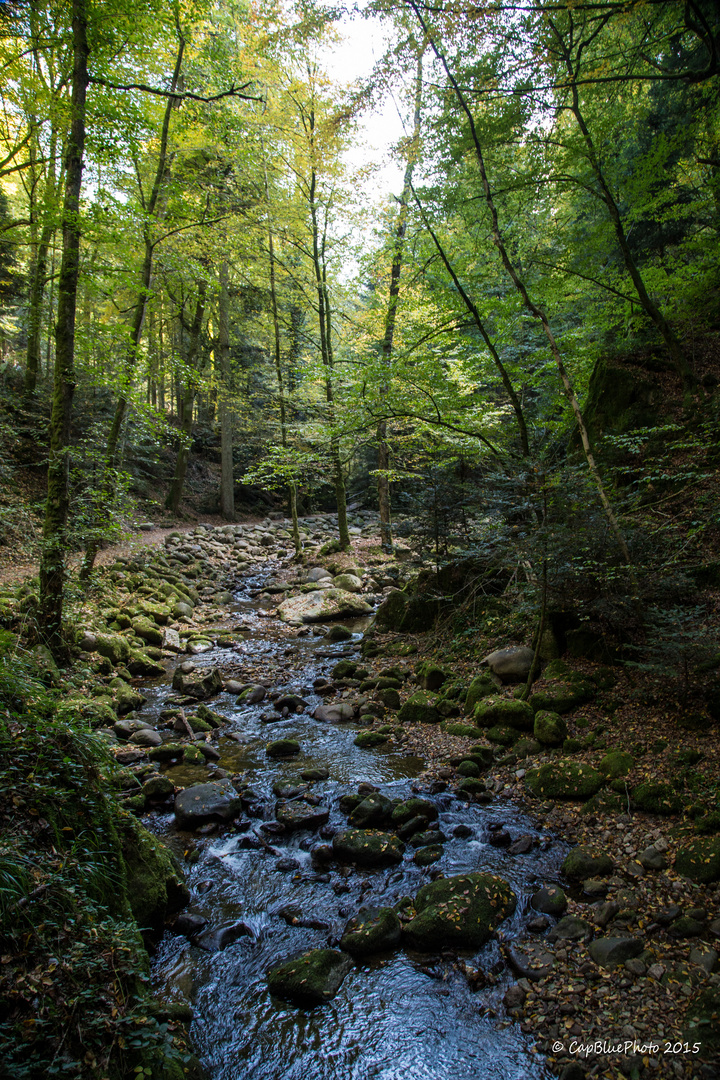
pixel 580 864
pixel 428 854
pixel 280 748
pixel 375 809
pixel 617 763
pixel 390 613
pixel 459 912
pixel 465 731
pixel 655 797
pixel 367 847
pixel 155 885
pixel 125 697
pixel 366 740
pixel 147 630
pixel 311 979
pixel 419 709
pixel 562 696
pixel 200 685
pixel 371 931
pixel 115 647
pixel 549 728
pixel 140 663
pixel 414 808
pixel 502 736
pixel 700 860
pixel 430 676
pixel 506 712
pixel 564 780
pixel 481 687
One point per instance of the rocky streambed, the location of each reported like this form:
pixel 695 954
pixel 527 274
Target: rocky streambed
pixel 350 913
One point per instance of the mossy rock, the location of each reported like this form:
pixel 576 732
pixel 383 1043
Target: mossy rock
pixel 115 647
pixel 209 716
pixel 503 736
pixel 155 885
pixel 371 931
pixel 367 739
pixel 147 630
pixel 580 864
pixel 368 847
pixel 467 731
pixel 562 697
pixel 468 768
pixel 192 755
pixel 572 746
pixel 140 663
pixel 564 780
pixel 390 613
pixel 526 747
pixel 506 712
pixel 605 802
pixel 311 979
pixel 390 698
pixel 657 798
pixel 429 854
pixel 549 728
pixel 699 860
pixel 616 764
pixel 344 669
pixel 166 752
pixel 430 676
pixel 471 785
pixel 414 808
pixel 280 748
pixel 459 912
pixel 419 709
pixel 199 725
pixel 481 687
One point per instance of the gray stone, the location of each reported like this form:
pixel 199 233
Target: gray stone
pixel 299 814
pixel 146 737
pixel 571 928
pixel 198 805
pixel 321 605
pixel 510 665
pixel 335 713
pixel 551 900
pixel 652 859
pixel 608 952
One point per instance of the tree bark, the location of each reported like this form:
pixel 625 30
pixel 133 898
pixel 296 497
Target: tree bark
pixel 176 487
pixel 227 481
pixel 52 557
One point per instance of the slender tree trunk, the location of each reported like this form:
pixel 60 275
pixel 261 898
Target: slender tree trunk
pixel 227 481
pixel 38 275
pixel 52 556
pixel 383 478
pixel 533 308
pixel 176 488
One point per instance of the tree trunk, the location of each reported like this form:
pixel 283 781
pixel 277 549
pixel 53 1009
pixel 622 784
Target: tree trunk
pixel 52 557
pixel 174 496
pixel 227 482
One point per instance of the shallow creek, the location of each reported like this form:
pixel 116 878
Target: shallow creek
pixel 399 1016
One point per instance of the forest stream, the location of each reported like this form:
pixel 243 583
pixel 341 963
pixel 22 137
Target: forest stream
pixel 260 896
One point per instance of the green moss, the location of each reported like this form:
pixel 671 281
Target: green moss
pixel 564 780
pixel 657 798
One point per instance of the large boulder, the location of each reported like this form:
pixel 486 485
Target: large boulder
pixel 202 803
pixel 367 847
pixel 321 605
pixel 564 780
pixel 348 583
pixel 298 814
pixel 459 912
pixel 608 952
pixel 505 712
pixel 482 686
pixel 371 931
pixel 311 979
pixel 549 728
pixel 419 709
pixel 114 647
pixel 407 614
pixel 199 684
pixel 511 665
pixel 562 696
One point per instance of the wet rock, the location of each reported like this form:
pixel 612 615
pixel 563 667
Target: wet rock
pixel 287 865
pixel 564 780
pixel 511 665
pixel 279 748
pixel 463 832
pixel 608 952
pixel 367 847
pixel 251 695
pixel 522 846
pixel 200 685
pixel 338 632
pixel 189 925
pixel 579 864
pixel 551 900
pixel 373 930
pixel 514 996
pixel 409 828
pixel 412 808
pixel 124 729
pixel 293 702
pixel 206 802
pixel 311 979
pixel 222 937
pixel 531 961
pixel 459 911
pixel 432 836
pixel 158 788
pixel 375 809
pixel 334 714
pixel 301 815
pixel 667 915
pixel 429 854
pixel 312 775
pixel 500 838
pixel 616 764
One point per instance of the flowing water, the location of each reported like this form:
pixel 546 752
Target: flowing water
pixel 397 1016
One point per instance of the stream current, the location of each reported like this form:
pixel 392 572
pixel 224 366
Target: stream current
pixel 398 1016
